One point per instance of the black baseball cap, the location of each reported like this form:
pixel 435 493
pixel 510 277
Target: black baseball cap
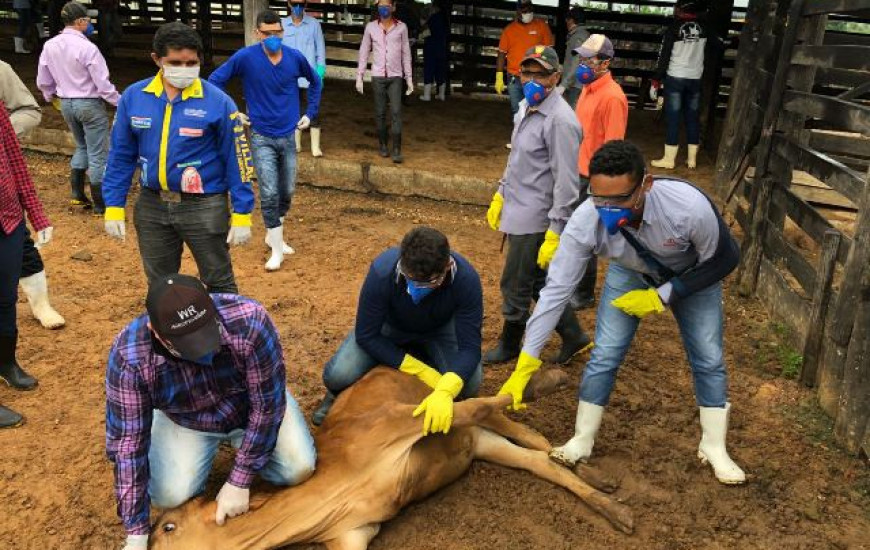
pixel 72 12
pixel 182 313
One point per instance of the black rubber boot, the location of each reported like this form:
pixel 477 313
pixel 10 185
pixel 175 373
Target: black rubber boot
pixel 397 148
pixel 77 189
pixel 319 415
pixel 9 418
pixel 10 371
pixel 383 147
pixel 97 197
pixel 574 340
pixel 509 344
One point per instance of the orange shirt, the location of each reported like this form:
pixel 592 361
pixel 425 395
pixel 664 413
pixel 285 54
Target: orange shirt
pixel 602 111
pixel 517 38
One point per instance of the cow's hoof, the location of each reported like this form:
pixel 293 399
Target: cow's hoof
pixel 543 383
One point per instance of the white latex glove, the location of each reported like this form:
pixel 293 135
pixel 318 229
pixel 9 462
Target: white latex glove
pixel 117 229
pixel 359 86
pixel 246 121
pixel 44 236
pixel 136 542
pixel 232 501
pixel 238 235
pixel 410 84
pixel 304 123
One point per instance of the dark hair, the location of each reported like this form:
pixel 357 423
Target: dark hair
pixel 576 14
pixel 425 253
pixel 267 17
pixel 72 12
pixel 175 36
pixel 617 158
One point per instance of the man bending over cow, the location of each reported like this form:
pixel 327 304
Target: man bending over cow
pixel 420 297
pixel 196 370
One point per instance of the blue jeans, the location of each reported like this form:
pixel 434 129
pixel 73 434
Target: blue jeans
pixel 180 458
pixel 275 163
pixel 351 362
pixel 700 319
pixel 683 99
pixel 89 123
pixel 515 91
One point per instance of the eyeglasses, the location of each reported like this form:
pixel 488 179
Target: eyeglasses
pixel 535 75
pixel 434 282
pixel 606 200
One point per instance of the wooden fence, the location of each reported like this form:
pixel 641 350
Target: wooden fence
pixel 799 113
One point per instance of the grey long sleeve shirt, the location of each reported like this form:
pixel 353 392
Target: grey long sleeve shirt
pixel 540 185
pixel 24 111
pixel 576 37
pixel 679 227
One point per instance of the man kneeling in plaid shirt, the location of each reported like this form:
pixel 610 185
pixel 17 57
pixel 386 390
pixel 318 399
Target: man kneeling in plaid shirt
pixel 197 370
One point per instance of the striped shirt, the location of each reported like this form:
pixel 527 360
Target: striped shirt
pixel 243 388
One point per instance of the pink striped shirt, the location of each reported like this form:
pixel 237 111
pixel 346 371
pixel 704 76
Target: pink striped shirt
pixel 391 52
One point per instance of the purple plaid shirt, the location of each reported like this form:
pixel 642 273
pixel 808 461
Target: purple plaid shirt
pixel 243 388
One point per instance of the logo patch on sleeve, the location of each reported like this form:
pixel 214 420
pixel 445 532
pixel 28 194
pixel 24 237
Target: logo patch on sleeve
pixel 140 122
pixel 190 132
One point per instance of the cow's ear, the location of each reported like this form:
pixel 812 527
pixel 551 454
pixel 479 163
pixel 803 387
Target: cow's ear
pixel 257 501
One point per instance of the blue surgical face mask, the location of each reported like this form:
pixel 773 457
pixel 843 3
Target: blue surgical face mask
pixel 535 93
pixel 585 74
pixel 614 217
pixel 272 43
pixel 298 10
pixel 384 12
pixel 89 30
pixel 417 293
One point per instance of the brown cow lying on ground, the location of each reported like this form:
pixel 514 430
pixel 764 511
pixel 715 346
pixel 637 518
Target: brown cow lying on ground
pixel 372 461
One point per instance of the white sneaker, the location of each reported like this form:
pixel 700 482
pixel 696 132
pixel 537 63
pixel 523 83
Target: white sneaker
pixel 714 427
pixel 579 447
pixel 36 289
pixel 275 240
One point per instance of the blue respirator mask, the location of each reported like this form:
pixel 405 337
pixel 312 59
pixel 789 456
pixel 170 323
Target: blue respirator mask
pixel 298 10
pixel 614 217
pixel 534 92
pixel 89 30
pixel 417 293
pixel 384 12
pixel 272 43
pixel 585 74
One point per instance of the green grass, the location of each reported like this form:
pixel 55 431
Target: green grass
pixel 775 353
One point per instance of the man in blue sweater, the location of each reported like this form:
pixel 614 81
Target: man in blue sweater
pixel 270 73
pixel 418 298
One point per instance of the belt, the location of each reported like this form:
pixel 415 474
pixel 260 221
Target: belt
pixel 177 196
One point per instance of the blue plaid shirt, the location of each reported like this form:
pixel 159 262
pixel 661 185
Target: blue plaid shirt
pixel 243 388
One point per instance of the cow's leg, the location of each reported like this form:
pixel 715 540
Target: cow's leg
pixel 355 539
pixel 520 434
pixel 494 448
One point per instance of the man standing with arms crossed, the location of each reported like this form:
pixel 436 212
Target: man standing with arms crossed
pixel 387 40
pixel 303 33
pixel 187 140
pixel 270 72
pixel 521 34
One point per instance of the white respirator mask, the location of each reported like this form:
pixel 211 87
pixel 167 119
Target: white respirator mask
pixel 527 17
pixel 181 77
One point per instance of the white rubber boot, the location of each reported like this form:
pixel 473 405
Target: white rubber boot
pixel 40 30
pixel 669 159
pixel 19 45
pixel 427 93
pixel 442 92
pixel 579 447
pixel 298 141
pixel 275 240
pixel 286 247
pixel 714 426
pixel 692 159
pixel 36 289
pixel 315 143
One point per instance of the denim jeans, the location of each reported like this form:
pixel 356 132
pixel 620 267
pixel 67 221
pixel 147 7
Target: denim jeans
pixel 89 123
pixel 683 99
pixel 180 458
pixel 351 362
pixel 275 163
pixel 700 319
pixel 11 247
pixel 199 221
pixel 515 92
pixel 388 89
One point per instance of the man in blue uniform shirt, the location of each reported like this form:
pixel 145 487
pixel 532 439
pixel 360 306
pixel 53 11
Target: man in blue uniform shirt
pixel 270 72
pixel 187 140
pixel 418 301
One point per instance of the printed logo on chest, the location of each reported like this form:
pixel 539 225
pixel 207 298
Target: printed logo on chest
pixel 141 122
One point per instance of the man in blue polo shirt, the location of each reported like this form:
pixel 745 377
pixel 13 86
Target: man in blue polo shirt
pixel 418 301
pixel 270 74
pixel 186 138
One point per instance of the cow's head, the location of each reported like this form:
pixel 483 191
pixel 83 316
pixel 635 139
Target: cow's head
pixel 191 526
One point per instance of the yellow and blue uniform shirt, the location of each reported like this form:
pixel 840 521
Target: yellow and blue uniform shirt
pixel 192 144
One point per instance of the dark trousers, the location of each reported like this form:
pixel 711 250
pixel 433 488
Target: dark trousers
pixel 388 89
pixel 586 288
pixel 11 246
pixel 434 65
pixel 303 100
pixel 109 30
pixel 199 221
pixel 25 20
pixel 521 279
pixel 31 260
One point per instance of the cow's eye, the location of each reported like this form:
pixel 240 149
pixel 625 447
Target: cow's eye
pixel 168 527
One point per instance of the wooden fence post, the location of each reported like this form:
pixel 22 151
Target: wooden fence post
pixel 821 298
pixel 250 9
pixel 854 411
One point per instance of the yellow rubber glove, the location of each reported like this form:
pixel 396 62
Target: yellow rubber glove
pixel 548 249
pixel 640 303
pixel 439 405
pixel 55 102
pixel 499 83
pixel 493 215
pixel 516 384
pixel 413 366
